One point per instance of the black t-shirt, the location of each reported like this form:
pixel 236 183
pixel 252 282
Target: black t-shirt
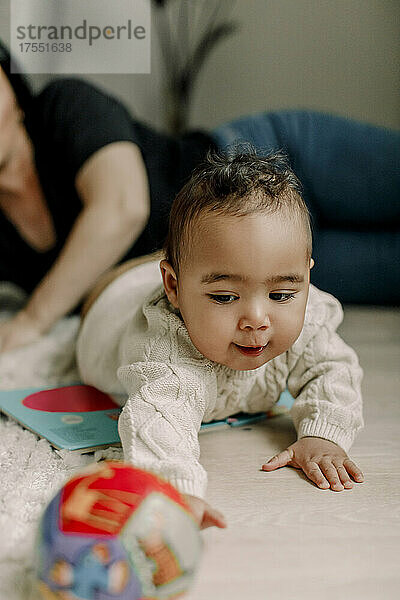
pixel 69 121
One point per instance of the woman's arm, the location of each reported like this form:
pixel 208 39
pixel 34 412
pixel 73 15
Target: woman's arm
pixel 113 187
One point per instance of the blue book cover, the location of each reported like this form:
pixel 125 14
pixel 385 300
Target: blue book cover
pixel 81 418
pixel 282 407
pixel 76 417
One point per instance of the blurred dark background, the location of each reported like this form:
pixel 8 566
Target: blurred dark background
pixel 337 56
pixel 340 58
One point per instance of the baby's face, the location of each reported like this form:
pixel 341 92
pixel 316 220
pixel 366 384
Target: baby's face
pixel 243 291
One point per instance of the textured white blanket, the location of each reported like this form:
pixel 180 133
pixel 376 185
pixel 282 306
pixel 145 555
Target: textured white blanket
pixel 30 470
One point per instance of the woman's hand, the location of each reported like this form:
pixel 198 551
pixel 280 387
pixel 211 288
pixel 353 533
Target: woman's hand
pixel 205 515
pixel 19 331
pixel 324 462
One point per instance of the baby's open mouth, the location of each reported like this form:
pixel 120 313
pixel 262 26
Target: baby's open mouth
pixel 251 350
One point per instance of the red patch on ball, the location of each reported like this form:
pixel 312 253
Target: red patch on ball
pixel 101 503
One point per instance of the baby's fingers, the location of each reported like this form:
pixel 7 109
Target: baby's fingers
pixel 344 476
pixel 280 460
pixel 212 517
pixel 332 475
pixel 313 472
pixel 353 470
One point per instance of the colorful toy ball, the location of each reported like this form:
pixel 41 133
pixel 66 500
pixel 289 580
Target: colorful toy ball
pixel 114 532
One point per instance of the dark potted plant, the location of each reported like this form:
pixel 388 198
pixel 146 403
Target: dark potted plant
pixel 188 31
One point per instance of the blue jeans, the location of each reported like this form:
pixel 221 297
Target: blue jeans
pixel 350 172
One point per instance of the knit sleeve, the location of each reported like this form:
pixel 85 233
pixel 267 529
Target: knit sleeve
pixel 325 380
pixel 160 422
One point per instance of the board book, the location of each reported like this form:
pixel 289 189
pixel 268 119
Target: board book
pixel 82 418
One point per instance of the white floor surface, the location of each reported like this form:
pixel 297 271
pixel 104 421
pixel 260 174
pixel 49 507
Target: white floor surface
pixel 288 540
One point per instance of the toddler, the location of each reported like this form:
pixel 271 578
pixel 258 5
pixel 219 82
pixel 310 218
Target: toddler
pixel 233 324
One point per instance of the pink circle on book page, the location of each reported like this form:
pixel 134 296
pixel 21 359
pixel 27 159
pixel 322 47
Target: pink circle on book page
pixel 71 398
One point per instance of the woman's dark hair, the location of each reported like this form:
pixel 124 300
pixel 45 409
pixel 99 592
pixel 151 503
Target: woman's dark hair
pixel 238 182
pixel 18 83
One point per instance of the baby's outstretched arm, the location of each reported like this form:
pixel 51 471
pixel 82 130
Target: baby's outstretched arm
pixel 161 419
pixel 159 427
pixel 324 462
pixel 324 378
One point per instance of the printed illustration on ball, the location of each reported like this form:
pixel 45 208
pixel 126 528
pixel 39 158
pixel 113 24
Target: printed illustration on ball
pixel 115 532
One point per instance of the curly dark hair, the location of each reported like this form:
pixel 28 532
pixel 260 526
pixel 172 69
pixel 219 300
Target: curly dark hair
pixel 236 182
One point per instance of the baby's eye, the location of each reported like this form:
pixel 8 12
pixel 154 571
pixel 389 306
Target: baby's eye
pixel 281 296
pixel 223 298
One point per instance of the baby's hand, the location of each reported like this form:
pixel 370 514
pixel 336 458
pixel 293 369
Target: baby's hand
pixel 203 513
pixel 325 463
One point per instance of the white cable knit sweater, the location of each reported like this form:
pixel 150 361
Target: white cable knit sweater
pixel 133 342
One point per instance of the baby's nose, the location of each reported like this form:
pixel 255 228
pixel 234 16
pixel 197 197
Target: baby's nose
pixel 255 320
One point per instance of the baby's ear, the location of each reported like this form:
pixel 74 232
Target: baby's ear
pixel 312 263
pixel 170 282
